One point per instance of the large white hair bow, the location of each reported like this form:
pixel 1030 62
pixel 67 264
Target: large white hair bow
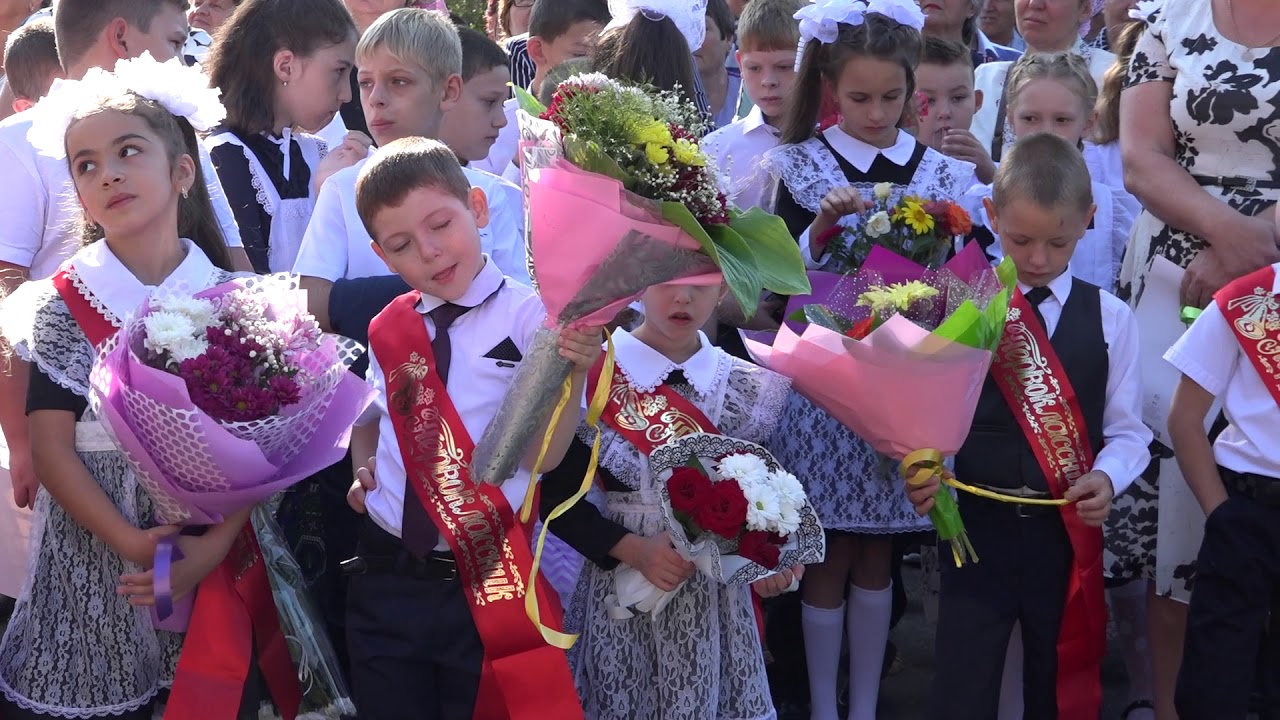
pixel 689 16
pixel 821 20
pixel 183 91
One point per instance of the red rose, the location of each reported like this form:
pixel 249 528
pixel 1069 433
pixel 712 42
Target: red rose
pixel 758 547
pixel 862 328
pixel 686 487
pixel 722 510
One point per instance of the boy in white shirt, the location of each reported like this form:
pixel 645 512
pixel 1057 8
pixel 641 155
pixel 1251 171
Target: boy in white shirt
pixel 768 35
pixel 945 79
pixel 1229 354
pixel 410 65
pixel 436 616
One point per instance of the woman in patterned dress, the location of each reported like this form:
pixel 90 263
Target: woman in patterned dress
pixel 1199 119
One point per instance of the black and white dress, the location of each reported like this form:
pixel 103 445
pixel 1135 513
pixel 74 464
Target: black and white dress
pixel 1225 111
pixel 851 486
pixel 74 648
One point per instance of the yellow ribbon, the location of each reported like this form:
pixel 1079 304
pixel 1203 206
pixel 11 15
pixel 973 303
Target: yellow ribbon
pixel 928 463
pixel 595 409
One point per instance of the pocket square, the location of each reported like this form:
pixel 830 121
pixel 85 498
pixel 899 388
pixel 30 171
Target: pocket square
pixel 505 351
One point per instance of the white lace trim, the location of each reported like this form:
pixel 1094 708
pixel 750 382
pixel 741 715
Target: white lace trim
pixel 701 384
pixel 78 713
pixel 87 294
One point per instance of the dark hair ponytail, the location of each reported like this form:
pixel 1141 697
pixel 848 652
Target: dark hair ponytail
pixel 877 37
pixel 647 51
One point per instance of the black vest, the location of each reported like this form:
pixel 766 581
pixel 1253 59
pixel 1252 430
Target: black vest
pixel 996 453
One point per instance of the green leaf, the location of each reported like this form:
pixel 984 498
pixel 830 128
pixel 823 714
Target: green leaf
pixel 822 316
pixel 588 155
pixel 527 101
pixel 740 267
pixel 777 255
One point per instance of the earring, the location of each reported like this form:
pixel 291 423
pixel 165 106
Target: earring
pixel 185 191
pixel 286 83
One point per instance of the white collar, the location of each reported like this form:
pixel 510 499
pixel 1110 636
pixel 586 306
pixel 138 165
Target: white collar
pixel 1275 286
pixel 485 284
pixel 861 155
pixel 1059 286
pixel 111 287
pixel 646 368
pixel 754 121
pixel 984 42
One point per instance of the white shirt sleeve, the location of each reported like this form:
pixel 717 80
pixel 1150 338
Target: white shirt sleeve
pixel 221 208
pixel 373 376
pixel 1207 352
pixel 1125 453
pixel 22 214
pixel 1121 224
pixel 506 226
pixel 806 252
pixel 323 253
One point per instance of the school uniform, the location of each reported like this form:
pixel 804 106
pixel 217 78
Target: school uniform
pixel 415 649
pixel 268 183
pixel 1238 566
pixel 736 151
pixel 1026 553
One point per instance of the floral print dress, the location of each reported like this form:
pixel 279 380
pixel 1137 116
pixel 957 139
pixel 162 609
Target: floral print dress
pixel 1226 119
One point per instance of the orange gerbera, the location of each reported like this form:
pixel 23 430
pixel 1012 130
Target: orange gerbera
pixel 958 221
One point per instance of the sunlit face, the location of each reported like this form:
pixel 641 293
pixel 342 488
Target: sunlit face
pixel 400 100
pixel 768 76
pixel 123 175
pixel 577 42
pixel 872 94
pixel 1051 106
pixel 432 240
pixel 164 39
pixel 471 127
pixel 677 312
pixel 1039 239
pixel 1051 25
pixel 711 57
pixel 996 19
pixel 208 15
pixel 945 18
pixel 952 100
pixel 317 85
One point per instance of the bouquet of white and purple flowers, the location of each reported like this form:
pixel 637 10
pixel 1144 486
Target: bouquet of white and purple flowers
pixel 218 401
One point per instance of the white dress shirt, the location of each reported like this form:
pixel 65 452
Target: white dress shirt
pixel 40 207
pixel 121 293
pixel 476 383
pixel 645 368
pixel 1107 167
pixel 337 246
pixel 1210 354
pixel 1124 453
pixel 736 150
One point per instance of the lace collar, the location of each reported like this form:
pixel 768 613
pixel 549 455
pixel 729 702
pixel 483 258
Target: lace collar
pixel 646 368
pixel 113 290
pixel 486 283
pixel 861 155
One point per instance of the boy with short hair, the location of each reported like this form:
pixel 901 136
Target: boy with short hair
pixel 768 35
pixel 31 62
pixel 410 77
pixel 1227 354
pixel 1059 417
pixel 945 78
pixel 472 126
pixel 436 618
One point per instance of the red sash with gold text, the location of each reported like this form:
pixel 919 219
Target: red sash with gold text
pixel 1253 312
pixel 234 611
pixel 1036 387
pixel 650 419
pixel 523 678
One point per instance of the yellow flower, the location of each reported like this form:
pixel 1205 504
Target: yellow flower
pixel 651 132
pixel 899 296
pixel 687 153
pixel 913 214
pixel 657 154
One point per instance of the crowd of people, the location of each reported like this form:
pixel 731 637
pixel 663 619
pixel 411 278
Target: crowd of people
pixel 1124 155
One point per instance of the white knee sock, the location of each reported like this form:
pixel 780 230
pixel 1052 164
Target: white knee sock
pixel 822 643
pixel 1011 706
pixel 868 628
pixel 1129 609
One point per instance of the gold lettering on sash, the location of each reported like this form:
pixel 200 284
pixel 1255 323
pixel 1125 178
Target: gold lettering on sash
pixel 649 413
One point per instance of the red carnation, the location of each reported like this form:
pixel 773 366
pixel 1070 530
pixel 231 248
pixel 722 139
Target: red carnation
pixel 722 510
pixel 862 328
pixel 687 486
pixel 758 547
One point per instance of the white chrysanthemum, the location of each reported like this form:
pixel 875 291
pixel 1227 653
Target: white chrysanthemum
pixel 764 509
pixel 882 190
pixel 189 348
pixel 879 224
pixel 202 313
pixel 746 468
pixel 788 519
pixel 167 331
pixel 598 81
pixel 788 488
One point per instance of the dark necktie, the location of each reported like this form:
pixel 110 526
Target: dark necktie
pixel 1035 296
pixel 417 532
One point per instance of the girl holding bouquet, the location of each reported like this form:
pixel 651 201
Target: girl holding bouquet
pixel 864 56
pixel 700 657
pixel 81 642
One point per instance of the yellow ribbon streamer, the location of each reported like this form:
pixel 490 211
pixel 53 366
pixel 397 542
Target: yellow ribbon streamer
pixel 928 463
pixel 595 409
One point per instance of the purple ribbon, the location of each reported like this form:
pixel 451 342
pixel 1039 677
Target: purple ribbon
pixel 167 553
